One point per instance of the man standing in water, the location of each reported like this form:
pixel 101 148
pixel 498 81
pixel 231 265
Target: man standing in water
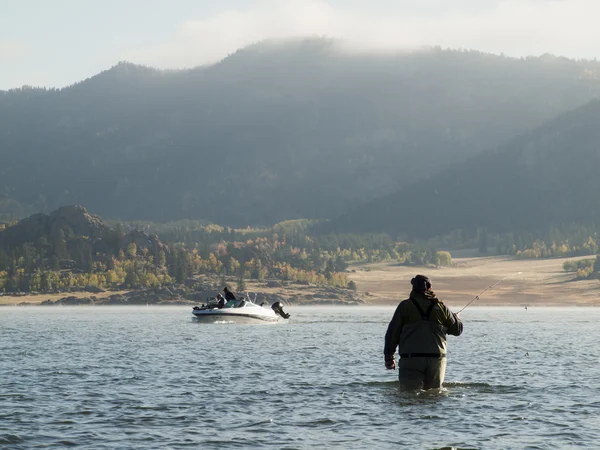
pixel 419 329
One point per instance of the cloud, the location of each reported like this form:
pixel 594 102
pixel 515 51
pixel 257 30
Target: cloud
pixel 523 27
pixel 210 39
pixel 513 27
pixel 12 50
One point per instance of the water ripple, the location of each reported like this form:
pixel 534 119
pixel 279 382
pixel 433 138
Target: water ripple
pixel 137 378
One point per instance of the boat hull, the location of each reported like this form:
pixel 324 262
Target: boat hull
pixel 221 315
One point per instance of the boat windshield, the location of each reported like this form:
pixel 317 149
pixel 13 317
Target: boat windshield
pixel 241 303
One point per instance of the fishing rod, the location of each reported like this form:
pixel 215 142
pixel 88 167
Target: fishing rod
pixel 487 289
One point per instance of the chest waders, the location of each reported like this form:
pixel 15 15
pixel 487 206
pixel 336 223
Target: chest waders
pixel 423 339
pixel 422 351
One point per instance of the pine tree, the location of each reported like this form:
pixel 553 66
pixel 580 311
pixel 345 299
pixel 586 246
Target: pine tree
pixel 329 268
pixel 340 265
pixel 162 259
pixel 54 263
pixel 131 278
pixel 597 265
pixel 131 250
pixel 60 245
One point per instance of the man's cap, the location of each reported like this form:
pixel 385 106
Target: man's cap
pixel 421 282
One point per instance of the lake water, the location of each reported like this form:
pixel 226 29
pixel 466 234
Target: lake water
pixel 152 377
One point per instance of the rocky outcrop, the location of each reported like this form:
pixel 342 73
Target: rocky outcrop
pixel 143 241
pixel 70 237
pixel 65 221
pixel 78 220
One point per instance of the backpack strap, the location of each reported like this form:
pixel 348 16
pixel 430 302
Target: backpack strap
pixel 424 315
pixel 431 306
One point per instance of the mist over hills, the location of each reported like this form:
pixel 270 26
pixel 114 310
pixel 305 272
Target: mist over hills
pixel 542 179
pixel 275 131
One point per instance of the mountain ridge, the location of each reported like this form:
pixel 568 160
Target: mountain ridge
pixel 298 131
pixel 541 179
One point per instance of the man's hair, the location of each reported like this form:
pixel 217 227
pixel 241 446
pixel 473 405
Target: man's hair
pixel 421 283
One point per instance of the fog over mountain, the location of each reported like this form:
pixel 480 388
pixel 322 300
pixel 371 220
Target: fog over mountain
pixel 275 131
pixel 55 44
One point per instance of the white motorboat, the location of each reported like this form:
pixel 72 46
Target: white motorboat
pixel 242 310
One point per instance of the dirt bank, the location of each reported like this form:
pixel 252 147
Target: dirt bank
pixel 541 282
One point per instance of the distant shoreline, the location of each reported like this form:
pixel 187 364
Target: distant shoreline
pixel 542 283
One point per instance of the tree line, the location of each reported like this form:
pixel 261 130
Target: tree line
pixel 584 269
pixel 291 251
pixel 286 251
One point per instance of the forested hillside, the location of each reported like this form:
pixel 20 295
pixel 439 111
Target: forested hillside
pixel 72 249
pixel 273 132
pixel 545 179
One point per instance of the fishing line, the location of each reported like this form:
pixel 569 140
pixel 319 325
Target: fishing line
pixel 488 288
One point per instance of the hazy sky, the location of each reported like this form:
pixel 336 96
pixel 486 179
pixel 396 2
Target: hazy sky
pixel 58 42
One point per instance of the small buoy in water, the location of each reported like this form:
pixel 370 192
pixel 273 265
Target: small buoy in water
pixel 526 308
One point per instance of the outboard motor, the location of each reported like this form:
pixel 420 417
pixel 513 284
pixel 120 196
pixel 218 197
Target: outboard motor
pixel 278 308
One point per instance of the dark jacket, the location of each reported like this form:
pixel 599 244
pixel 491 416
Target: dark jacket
pixel 422 331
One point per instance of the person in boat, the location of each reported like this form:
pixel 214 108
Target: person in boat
pixel 230 299
pixel 228 294
pixel 418 329
pixel 221 301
